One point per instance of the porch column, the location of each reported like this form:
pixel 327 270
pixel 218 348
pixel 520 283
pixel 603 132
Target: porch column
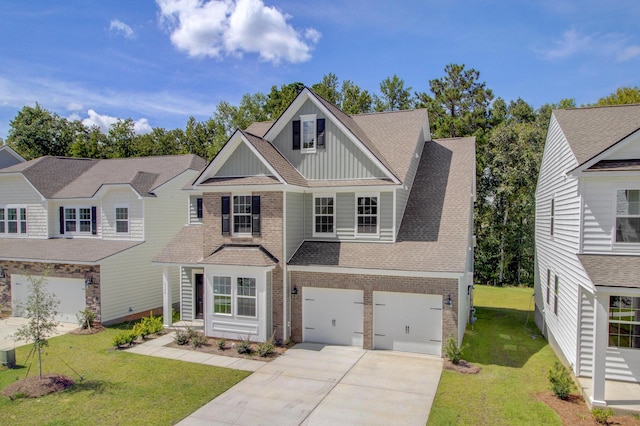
pixel 600 343
pixel 166 297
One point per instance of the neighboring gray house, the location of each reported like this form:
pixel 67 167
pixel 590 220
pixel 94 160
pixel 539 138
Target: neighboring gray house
pixel 8 157
pixel 92 226
pixel 587 275
pixel 330 228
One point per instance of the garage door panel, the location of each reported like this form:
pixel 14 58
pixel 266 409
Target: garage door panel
pixel 407 322
pixel 69 291
pixel 333 316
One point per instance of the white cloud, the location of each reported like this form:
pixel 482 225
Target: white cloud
pixel 572 43
pixel 74 106
pixel 119 27
pixel 233 27
pixel 103 121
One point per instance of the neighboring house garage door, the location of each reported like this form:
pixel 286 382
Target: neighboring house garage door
pixel 333 316
pixel 407 322
pixel 69 291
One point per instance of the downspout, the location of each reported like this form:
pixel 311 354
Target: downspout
pixel 285 278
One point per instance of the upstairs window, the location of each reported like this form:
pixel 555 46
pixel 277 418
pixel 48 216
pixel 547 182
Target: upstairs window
pixel 199 207
pixel 555 299
pixel 13 220
pixel 324 216
pixel 628 216
pixel 308 133
pixel 122 220
pixel 553 215
pixel 548 284
pixel 367 215
pixel 624 322
pixel 242 214
pixel 78 220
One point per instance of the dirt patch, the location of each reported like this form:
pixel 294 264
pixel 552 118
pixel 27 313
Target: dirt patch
pixel 33 387
pixel 93 330
pixel 211 347
pixel 463 367
pixel 574 411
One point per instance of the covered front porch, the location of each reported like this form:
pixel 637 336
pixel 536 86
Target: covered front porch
pixel 622 397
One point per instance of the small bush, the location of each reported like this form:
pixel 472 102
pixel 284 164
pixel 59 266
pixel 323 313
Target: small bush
pixel 141 329
pixel 181 337
pixel 124 338
pixel 85 319
pixel 244 346
pixel 452 351
pixel 601 415
pixel 560 380
pixel 266 348
pixel 192 332
pixel 222 343
pixel 198 340
pixel 153 324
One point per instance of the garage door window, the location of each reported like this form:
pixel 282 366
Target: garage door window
pixel 222 295
pixel 246 296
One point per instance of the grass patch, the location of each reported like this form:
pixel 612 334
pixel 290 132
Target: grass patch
pixel 118 387
pixel 514 366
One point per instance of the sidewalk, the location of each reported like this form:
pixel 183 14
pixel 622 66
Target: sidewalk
pixel 155 347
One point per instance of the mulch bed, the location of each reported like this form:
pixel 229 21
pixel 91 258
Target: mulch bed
pixel 211 347
pixel 33 387
pixel 574 411
pixel 462 367
pixel 93 330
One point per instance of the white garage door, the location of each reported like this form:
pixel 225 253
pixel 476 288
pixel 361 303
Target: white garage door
pixel 407 322
pixel 333 316
pixel 69 291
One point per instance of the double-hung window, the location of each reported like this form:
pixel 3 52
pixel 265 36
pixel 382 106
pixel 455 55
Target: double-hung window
pixel 624 322
pixel 555 299
pixel 13 220
pixel 553 216
pixel 243 211
pixel 324 215
pixel 77 220
pixel 246 297
pixel 308 133
pixel 367 215
pixel 239 300
pixel 628 216
pixel 242 214
pixel 222 295
pixel 308 128
pixel 548 284
pixel 122 219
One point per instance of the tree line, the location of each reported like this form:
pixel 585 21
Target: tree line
pixel 510 139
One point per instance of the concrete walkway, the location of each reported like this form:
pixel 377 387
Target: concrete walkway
pixel 10 325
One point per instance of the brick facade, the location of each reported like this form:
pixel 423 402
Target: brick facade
pixel 271 233
pixel 62 270
pixel 369 284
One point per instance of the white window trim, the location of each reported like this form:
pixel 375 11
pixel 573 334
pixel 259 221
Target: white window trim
pixel 18 221
pixel 235 295
pixel 116 220
pixel 609 321
pixel 233 216
pixel 614 230
pixel 213 296
pixel 234 289
pixel 77 220
pixel 313 213
pixel 355 223
pixel 308 118
pixel 552 216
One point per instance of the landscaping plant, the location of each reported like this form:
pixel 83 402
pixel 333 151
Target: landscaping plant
pixel 85 319
pixel 561 381
pixel 244 346
pixel 198 340
pixel 222 343
pixel 124 338
pixel 266 348
pixel 601 415
pixel 181 337
pixel 452 350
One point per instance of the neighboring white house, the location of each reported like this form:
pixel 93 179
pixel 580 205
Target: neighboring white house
pixel 8 157
pixel 332 228
pixel 587 235
pixel 92 227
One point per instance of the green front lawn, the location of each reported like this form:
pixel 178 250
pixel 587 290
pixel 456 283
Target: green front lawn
pixel 514 359
pixel 118 387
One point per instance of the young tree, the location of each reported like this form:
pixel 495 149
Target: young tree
pixel 328 89
pixel 40 309
pixel 354 99
pixel 395 96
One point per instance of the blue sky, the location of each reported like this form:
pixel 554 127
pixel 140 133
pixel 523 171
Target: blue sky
pixel 159 62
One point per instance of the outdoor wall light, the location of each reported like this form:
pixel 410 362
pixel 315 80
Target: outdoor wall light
pixel 294 291
pixel 88 279
pixel 448 303
pixel 2 275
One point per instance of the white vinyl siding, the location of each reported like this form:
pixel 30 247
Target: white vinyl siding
pixel 243 162
pixel 122 219
pixel 119 197
pixel 187 294
pixel 15 191
pixel 295 223
pixel 340 159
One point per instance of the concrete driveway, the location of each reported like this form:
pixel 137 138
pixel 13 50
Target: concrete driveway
pixel 10 325
pixel 314 384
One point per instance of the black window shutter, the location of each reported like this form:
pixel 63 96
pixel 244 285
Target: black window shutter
pixel 320 132
pixel 94 220
pixel 199 208
pixel 296 134
pixel 225 214
pixel 61 220
pixel 255 215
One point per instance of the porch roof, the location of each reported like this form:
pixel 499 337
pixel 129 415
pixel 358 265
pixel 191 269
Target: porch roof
pixel 67 250
pixel 612 270
pixel 241 255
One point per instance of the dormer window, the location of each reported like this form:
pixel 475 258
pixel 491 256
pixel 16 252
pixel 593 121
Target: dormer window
pixel 308 133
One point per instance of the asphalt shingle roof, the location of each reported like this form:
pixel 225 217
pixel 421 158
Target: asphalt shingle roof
pixel 612 270
pixel 61 249
pixel 589 131
pixel 434 234
pixel 63 177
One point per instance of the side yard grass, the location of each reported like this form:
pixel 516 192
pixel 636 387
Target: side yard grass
pixel 514 359
pixel 118 387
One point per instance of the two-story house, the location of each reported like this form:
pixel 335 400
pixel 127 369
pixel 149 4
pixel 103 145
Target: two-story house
pixel 92 228
pixel 326 227
pixel 587 278
pixel 9 157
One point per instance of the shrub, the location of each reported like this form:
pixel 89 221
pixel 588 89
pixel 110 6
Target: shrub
pixel 266 348
pixel 181 337
pixel 560 379
pixel 153 324
pixel 222 343
pixel 141 329
pixel 452 351
pixel 244 346
pixel 124 338
pixel 602 415
pixel 85 318
pixel 198 340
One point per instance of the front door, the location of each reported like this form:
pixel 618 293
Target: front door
pixel 199 279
